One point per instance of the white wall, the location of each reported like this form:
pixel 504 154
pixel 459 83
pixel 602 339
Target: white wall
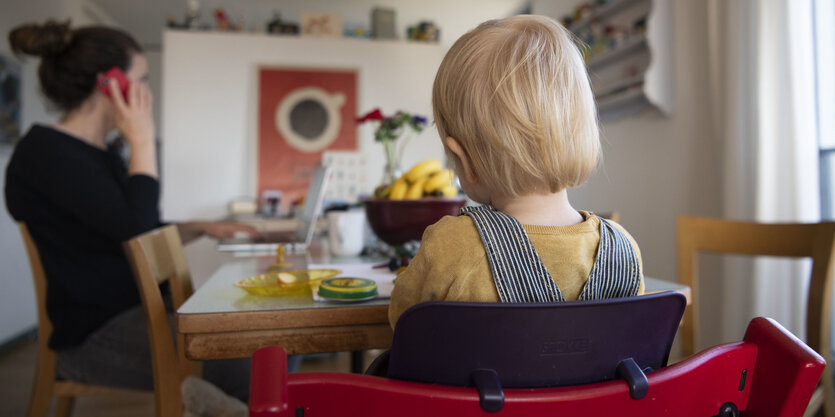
pixel 18 311
pixel 210 100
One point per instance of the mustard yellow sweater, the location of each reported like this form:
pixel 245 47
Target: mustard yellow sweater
pixel 452 265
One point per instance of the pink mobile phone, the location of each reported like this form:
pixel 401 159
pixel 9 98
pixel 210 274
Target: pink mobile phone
pixel 120 77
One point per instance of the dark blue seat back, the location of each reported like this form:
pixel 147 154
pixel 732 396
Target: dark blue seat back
pixel 533 345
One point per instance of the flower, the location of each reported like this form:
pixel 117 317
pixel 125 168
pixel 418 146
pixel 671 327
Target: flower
pixel 392 128
pixel 375 114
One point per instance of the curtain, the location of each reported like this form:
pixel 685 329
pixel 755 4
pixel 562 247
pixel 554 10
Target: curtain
pixel 763 107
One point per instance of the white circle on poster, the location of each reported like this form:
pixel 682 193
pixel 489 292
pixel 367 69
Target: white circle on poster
pixel 309 118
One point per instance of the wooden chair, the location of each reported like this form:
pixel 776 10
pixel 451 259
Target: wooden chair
pixel 817 241
pixel 46 385
pixel 610 215
pixel 156 257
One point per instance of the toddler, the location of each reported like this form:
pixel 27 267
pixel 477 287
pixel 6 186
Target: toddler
pixel 515 111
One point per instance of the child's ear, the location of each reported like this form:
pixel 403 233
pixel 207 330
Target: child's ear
pixel 466 167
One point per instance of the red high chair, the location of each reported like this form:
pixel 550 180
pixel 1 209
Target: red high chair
pixel 769 373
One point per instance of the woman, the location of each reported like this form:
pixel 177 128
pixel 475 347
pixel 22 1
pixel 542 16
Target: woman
pixel 80 202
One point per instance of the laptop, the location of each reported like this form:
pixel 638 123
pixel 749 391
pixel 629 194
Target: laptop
pixel 294 241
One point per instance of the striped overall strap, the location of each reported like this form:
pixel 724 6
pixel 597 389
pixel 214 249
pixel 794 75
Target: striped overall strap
pixel 616 271
pixel 518 272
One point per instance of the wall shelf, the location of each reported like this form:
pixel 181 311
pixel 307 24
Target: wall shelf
pixel 626 49
pixel 601 13
pixel 636 73
pixel 618 86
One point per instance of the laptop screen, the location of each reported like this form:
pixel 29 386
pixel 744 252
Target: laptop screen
pixel 312 204
pixel 306 222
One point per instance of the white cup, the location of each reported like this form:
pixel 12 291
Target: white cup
pixel 346 232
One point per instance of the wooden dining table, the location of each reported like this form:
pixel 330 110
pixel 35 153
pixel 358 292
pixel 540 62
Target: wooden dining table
pixel 221 321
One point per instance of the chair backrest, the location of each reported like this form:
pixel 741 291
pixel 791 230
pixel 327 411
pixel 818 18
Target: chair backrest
pixel 611 215
pixel 811 240
pixel 770 373
pixel 157 257
pixel 39 276
pixel 533 345
pixel 799 240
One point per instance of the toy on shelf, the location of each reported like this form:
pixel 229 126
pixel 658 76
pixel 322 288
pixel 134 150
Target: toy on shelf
pixel 191 20
pixel 424 31
pixel 223 22
pixel 278 26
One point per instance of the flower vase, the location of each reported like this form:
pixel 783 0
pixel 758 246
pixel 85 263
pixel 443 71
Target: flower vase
pixel 391 172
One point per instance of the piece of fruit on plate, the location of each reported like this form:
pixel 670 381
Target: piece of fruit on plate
pixel 285 282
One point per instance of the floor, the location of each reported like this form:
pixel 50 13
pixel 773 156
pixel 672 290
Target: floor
pixel 17 371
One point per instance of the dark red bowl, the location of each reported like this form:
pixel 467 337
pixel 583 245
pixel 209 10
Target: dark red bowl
pixel 399 221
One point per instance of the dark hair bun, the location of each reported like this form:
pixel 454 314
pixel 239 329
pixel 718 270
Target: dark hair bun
pixel 72 59
pixel 50 38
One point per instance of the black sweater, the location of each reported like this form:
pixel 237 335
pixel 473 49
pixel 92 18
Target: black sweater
pixel 79 205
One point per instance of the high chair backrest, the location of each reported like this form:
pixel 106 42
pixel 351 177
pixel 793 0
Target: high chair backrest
pixel 533 345
pixel 799 240
pixel 157 257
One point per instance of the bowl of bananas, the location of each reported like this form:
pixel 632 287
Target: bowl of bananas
pixel 400 212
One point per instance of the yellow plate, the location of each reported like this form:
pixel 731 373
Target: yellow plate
pixel 286 282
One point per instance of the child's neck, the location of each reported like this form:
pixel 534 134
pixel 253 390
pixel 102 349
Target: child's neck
pixel 551 209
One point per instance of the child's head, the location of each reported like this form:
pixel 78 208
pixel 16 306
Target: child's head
pixel 515 95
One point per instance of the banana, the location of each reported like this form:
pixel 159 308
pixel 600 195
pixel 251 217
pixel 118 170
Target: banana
pixel 382 191
pixel 449 190
pixel 438 180
pixel 416 190
pixel 423 169
pixel 398 189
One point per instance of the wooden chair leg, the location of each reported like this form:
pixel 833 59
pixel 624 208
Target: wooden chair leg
pixel 63 407
pixel 815 407
pixel 42 390
pixel 828 392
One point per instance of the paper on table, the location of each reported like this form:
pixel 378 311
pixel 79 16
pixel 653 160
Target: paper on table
pixel 382 276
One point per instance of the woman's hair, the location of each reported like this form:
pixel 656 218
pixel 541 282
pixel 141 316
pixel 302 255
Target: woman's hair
pixel 516 95
pixel 72 59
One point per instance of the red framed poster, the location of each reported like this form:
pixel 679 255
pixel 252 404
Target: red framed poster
pixel 302 113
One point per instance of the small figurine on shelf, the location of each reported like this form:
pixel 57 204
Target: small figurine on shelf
pixel 222 21
pixel 191 20
pixel 172 23
pixel 192 15
pixel 424 31
pixel 278 26
pixel 640 26
pixel 358 32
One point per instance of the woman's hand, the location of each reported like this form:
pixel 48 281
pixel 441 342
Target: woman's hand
pixel 230 229
pixel 135 121
pixel 192 230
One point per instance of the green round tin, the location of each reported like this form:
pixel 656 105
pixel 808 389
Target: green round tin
pixel 348 289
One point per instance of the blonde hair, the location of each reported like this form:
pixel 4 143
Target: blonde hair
pixel 515 94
